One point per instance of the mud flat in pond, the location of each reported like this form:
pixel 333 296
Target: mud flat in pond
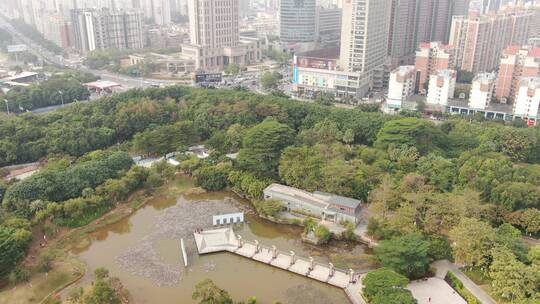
pixel 175 222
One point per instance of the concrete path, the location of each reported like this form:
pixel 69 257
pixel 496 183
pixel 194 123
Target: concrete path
pixel 444 266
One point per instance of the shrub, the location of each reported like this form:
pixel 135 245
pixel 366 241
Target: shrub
pixel 458 286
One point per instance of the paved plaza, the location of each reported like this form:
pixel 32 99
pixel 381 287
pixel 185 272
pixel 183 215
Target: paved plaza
pixel 434 291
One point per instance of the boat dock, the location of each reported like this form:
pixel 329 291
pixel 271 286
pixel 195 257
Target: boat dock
pixel 225 240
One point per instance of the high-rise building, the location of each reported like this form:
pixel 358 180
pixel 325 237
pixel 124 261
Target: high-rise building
pixel 433 20
pixel 441 87
pixel 402 36
pixel 516 62
pixel 401 85
pixel 430 58
pixel 481 93
pixel 461 7
pixel 102 29
pixel 157 10
pixel 480 39
pixel 328 26
pixel 297 21
pixel 214 24
pixel 364 39
pixel 215 37
pixel 527 99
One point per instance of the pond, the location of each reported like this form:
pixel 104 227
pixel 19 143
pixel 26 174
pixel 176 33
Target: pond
pixel 144 252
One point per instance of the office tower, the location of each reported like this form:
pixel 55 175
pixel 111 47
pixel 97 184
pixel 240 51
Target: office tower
pixel 328 26
pixel 441 87
pixel 528 98
pixel 516 62
pixel 364 39
pixel 430 58
pixel 401 85
pixel 297 21
pixel 480 39
pixel 215 37
pixel 102 29
pixel 481 93
pixel 402 36
pixel 214 24
pixel 159 11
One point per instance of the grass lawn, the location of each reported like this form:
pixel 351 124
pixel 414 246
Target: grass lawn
pixel 41 285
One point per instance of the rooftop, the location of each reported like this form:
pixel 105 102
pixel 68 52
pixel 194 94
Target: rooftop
pixel 317 198
pixel 329 53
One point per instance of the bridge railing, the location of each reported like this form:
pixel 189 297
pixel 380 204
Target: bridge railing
pixel 287 253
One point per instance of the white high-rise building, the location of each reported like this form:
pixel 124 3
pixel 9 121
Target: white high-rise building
pixel 364 39
pixel 401 85
pixel 527 99
pixel 482 90
pixel 441 87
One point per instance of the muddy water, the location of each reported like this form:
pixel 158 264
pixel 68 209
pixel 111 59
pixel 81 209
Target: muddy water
pixel 241 277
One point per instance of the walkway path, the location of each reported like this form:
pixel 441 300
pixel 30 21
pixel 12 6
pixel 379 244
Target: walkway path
pixel 443 266
pixel 225 239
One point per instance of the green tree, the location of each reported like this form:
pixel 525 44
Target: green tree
pixel 213 178
pixel 323 234
pixel 512 280
pixel 13 245
pixel 439 172
pixel 472 239
pixel 417 132
pixel 262 147
pixel 206 292
pixel 381 282
pixel 270 80
pixel 515 195
pixel 407 255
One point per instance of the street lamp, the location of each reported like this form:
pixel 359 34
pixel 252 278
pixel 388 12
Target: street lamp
pixel 7 105
pixel 61 97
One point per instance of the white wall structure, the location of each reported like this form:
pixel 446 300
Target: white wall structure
pixel 229 218
pixel 441 87
pixel 528 98
pixel 401 85
pixel 482 89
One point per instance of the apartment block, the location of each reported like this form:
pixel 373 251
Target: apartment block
pixel 430 58
pixel 441 87
pixel 527 99
pixel 103 29
pixel 401 85
pixel 479 39
pixel 482 89
pixel 516 62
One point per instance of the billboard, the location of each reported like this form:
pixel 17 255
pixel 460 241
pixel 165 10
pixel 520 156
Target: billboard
pixel 317 63
pixel 16 48
pixel 213 77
